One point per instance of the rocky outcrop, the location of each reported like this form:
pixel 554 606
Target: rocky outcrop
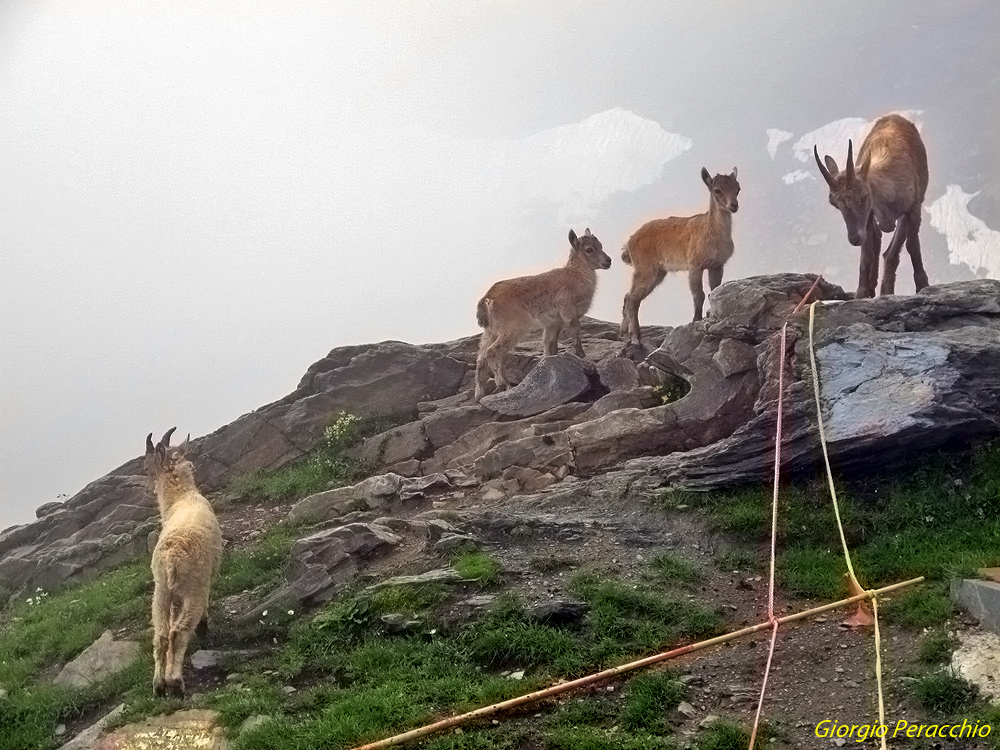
pixel 106 523
pixel 899 374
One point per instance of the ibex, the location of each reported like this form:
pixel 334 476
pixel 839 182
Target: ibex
pixel 187 557
pixel 694 244
pixel 884 194
pixel 550 301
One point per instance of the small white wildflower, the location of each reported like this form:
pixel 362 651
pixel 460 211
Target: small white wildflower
pixel 291 612
pixel 264 613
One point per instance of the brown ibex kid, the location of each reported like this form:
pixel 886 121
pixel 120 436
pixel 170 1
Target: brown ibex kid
pixel 882 195
pixel 550 301
pixel 187 557
pixel 694 244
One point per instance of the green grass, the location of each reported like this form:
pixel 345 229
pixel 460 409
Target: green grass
pixel 668 567
pixel 922 607
pixel 326 466
pixel 650 697
pixel 936 648
pixel 934 519
pixel 944 693
pixel 476 566
pixel 53 629
pixel 260 566
pixel 728 735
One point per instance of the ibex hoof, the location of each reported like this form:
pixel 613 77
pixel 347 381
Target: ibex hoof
pixel 175 689
pixel 159 688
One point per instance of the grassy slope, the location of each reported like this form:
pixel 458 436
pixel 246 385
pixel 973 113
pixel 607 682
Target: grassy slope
pixel 354 681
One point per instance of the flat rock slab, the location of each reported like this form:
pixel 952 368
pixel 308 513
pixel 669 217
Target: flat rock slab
pixel 981 599
pixel 103 658
pixel 977 659
pixel 196 729
pixel 553 381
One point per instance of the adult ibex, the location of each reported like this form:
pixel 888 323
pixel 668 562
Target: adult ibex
pixel 883 194
pixel 186 559
pixel 693 243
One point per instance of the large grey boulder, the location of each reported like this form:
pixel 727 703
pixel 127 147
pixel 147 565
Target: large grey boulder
pixel 368 493
pixel 326 561
pixel 553 381
pixel 101 659
pixel 898 375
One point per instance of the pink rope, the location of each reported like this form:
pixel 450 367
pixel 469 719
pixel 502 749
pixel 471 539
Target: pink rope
pixel 774 515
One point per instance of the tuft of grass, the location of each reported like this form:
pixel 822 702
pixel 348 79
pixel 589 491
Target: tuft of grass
pixel 936 648
pixel 740 560
pixel 729 735
pixel 944 693
pixel 668 567
pixel 261 565
pixel 587 738
pixel 476 566
pixel 326 466
pixel 649 697
pixel 922 607
pixel 631 619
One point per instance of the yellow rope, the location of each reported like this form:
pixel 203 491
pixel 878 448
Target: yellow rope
pixel 840 525
pixel 878 668
pixel 822 441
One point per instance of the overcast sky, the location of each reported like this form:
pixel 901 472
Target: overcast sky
pixel 195 204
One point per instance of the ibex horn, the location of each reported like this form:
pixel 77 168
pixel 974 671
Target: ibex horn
pixel 166 437
pixel 823 170
pixel 850 160
pixel 149 444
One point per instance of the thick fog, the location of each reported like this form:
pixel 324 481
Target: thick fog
pixel 198 200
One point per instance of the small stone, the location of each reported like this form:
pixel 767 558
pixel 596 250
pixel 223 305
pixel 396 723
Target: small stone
pixel 519 675
pixel 288 689
pixel 60 730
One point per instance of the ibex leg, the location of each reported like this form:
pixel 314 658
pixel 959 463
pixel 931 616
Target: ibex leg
pixel 913 248
pixel 890 259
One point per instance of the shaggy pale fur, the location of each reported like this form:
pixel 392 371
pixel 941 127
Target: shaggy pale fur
pixel 695 244
pixel 550 301
pixel 884 194
pixel 185 561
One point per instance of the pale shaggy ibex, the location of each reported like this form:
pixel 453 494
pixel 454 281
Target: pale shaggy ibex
pixel 884 194
pixel 693 243
pixel 550 301
pixel 186 559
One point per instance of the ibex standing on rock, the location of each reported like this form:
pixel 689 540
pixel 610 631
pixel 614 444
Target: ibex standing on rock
pixel 694 244
pixel 884 194
pixel 186 559
pixel 550 301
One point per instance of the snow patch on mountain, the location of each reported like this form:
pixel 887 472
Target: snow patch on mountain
pixel 832 137
pixel 775 138
pixel 970 240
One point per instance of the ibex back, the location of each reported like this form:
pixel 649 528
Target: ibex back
pixel 884 194
pixel 694 244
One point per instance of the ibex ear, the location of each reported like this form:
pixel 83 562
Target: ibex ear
pixel 831 165
pixel 706 177
pixel 734 173
pixel 161 454
pixel 573 240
